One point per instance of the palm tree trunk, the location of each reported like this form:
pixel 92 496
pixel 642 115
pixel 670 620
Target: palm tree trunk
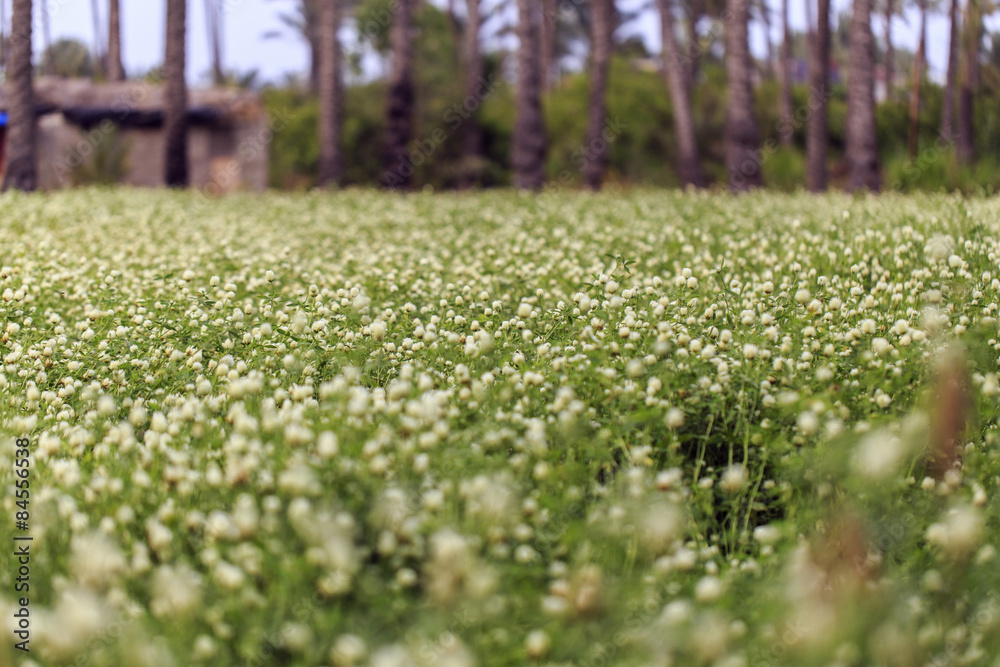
pixel 456 32
pixel 175 116
pixel 697 8
pixel 3 35
pixel 115 70
pixel 471 135
pixel 399 115
pixel 21 171
pixel 597 107
pixel 786 77
pixel 965 147
pixel 48 63
pixel 310 30
pixel 918 76
pixel 330 89
pixel 948 104
pixel 862 152
pixel 742 135
pixel 890 51
pixel 95 14
pixel 529 148
pixel 213 26
pixel 674 71
pixel 817 137
pixel 765 17
pixel 550 13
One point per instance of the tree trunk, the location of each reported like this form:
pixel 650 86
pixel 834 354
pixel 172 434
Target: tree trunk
pixel 115 70
pixel 550 15
pixel 693 46
pixel 948 103
pixel 4 47
pixel 21 168
pixel 48 62
pixel 787 134
pixel 399 115
pixel 742 135
pixel 597 107
pixel 810 27
pixel 965 147
pixel 529 148
pixel 890 51
pixel 674 71
pixel 471 135
pixel 918 76
pixel 456 32
pixel 311 16
pixel 175 115
pixel 213 26
pixel 314 64
pixel 817 137
pixel 765 17
pixel 862 151
pixel 330 88
pixel 95 14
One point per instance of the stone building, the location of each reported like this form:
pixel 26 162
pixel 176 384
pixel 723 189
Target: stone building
pixel 113 132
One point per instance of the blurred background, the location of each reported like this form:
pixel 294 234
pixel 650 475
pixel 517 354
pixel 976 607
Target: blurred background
pixel 426 93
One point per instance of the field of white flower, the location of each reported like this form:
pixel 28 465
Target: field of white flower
pixel 636 429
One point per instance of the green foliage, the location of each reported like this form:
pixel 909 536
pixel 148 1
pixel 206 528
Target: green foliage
pixel 68 58
pixel 642 149
pixel 108 163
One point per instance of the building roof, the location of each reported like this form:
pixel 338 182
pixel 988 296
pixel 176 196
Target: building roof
pixel 137 103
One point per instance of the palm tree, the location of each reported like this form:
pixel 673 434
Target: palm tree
pixel 471 135
pixel 115 70
pixel 305 21
pixel 95 14
pixel 742 135
pixel 330 91
pixel 890 51
pixel 948 104
pixel 528 158
pixel 862 153
pixel 601 27
pixel 675 72
pixel 213 26
pixel 819 77
pixel 786 76
pixel 918 76
pixel 175 112
pixel 965 147
pixel 21 168
pixel 3 34
pixel 46 36
pixel 399 114
pixel 550 15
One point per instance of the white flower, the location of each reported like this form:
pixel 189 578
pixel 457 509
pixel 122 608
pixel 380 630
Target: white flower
pixel 537 643
pixel 808 422
pixel 734 478
pixel 674 418
pixel 959 534
pixel 879 454
pixel 348 650
pixel 176 591
pixel 708 589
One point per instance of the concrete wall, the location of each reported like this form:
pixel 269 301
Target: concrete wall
pixel 222 159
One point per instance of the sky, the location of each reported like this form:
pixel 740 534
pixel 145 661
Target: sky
pixel 247 22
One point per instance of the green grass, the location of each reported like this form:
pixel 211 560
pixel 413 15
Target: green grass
pixel 631 428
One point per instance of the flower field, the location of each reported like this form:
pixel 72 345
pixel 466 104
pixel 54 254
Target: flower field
pixel 438 430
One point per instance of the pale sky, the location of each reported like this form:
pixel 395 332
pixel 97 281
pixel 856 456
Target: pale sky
pixel 246 22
